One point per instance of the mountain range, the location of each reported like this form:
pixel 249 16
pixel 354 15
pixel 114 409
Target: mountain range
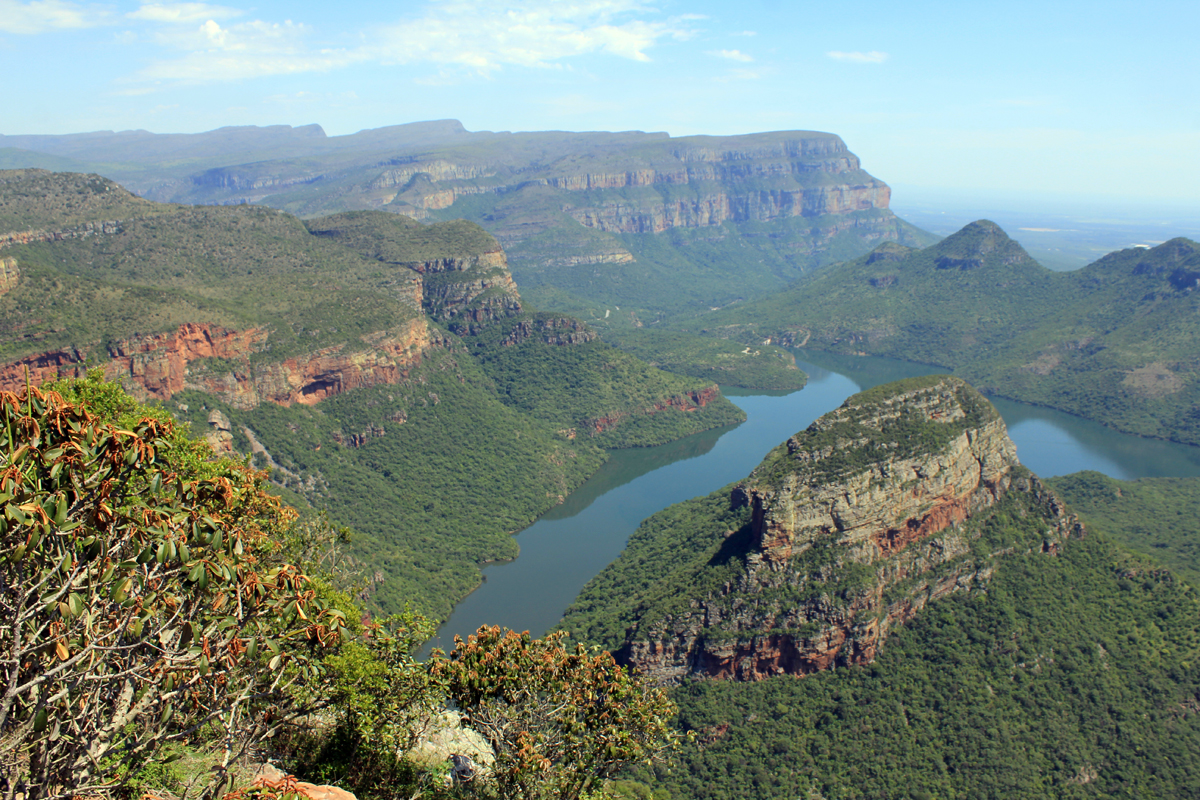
pixel 590 221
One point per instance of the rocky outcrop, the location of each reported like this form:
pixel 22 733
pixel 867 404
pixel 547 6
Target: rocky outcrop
pixel 687 402
pixel 161 365
pixel 107 227
pixel 470 292
pixel 9 275
pixel 385 357
pixel 270 777
pixel 855 525
pixel 219 435
pixel 716 208
pixel 555 330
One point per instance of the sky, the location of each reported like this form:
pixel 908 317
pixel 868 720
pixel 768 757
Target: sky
pixel 1091 100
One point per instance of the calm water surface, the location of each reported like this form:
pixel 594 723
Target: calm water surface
pixel 571 543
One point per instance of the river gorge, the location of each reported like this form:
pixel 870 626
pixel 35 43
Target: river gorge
pixel 570 544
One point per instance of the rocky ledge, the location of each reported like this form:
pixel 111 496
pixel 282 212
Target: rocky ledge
pixel 854 525
pixel 160 365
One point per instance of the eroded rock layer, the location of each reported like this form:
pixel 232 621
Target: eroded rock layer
pixel 160 365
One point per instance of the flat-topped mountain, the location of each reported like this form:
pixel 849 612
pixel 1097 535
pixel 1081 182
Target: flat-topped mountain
pixel 1117 341
pixel 847 530
pixel 381 367
pixel 595 220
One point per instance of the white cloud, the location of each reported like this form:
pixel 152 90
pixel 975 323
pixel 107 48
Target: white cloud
pixel 873 57
pixel 45 15
pixel 451 36
pixel 732 55
pixel 244 50
pixel 483 36
pixel 182 12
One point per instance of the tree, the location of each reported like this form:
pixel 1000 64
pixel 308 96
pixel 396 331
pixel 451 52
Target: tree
pixel 139 598
pixel 560 719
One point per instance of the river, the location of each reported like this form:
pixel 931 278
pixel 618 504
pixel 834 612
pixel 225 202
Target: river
pixel 571 543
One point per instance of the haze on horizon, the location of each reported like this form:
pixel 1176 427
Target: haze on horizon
pixel 1063 100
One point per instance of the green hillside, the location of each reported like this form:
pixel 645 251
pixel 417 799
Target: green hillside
pixel 1115 342
pixel 1072 677
pixel 1156 517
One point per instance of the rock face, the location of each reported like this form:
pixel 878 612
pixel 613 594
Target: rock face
pixel 556 330
pixel 107 227
pixel 160 365
pixel 467 293
pixel 855 524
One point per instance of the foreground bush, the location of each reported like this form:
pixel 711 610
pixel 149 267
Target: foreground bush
pixel 561 719
pixel 138 600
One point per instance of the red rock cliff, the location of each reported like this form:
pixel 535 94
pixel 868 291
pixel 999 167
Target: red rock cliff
pixel 162 364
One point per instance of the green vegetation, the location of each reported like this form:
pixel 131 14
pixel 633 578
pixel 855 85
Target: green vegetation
pixel 236 267
pixel 1072 676
pixel 1157 517
pixel 45 201
pixel 678 554
pixel 560 720
pixel 143 601
pixel 164 616
pixel 593 390
pixel 443 473
pixel 396 239
pixel 719 360
pixel 1114 342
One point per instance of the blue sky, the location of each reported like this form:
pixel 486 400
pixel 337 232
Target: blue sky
pixel 1055 99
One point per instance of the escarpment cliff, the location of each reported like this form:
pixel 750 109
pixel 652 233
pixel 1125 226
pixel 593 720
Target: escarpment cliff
pixel 584 213
pixel 465 293
pixel 161 365
pixel 459 270
pixel 905 494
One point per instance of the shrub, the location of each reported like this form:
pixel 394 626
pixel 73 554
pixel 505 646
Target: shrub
pixel 139 602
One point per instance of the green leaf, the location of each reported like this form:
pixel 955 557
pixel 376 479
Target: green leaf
pixel 121 590
pixel 39 720
pixel 275 662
